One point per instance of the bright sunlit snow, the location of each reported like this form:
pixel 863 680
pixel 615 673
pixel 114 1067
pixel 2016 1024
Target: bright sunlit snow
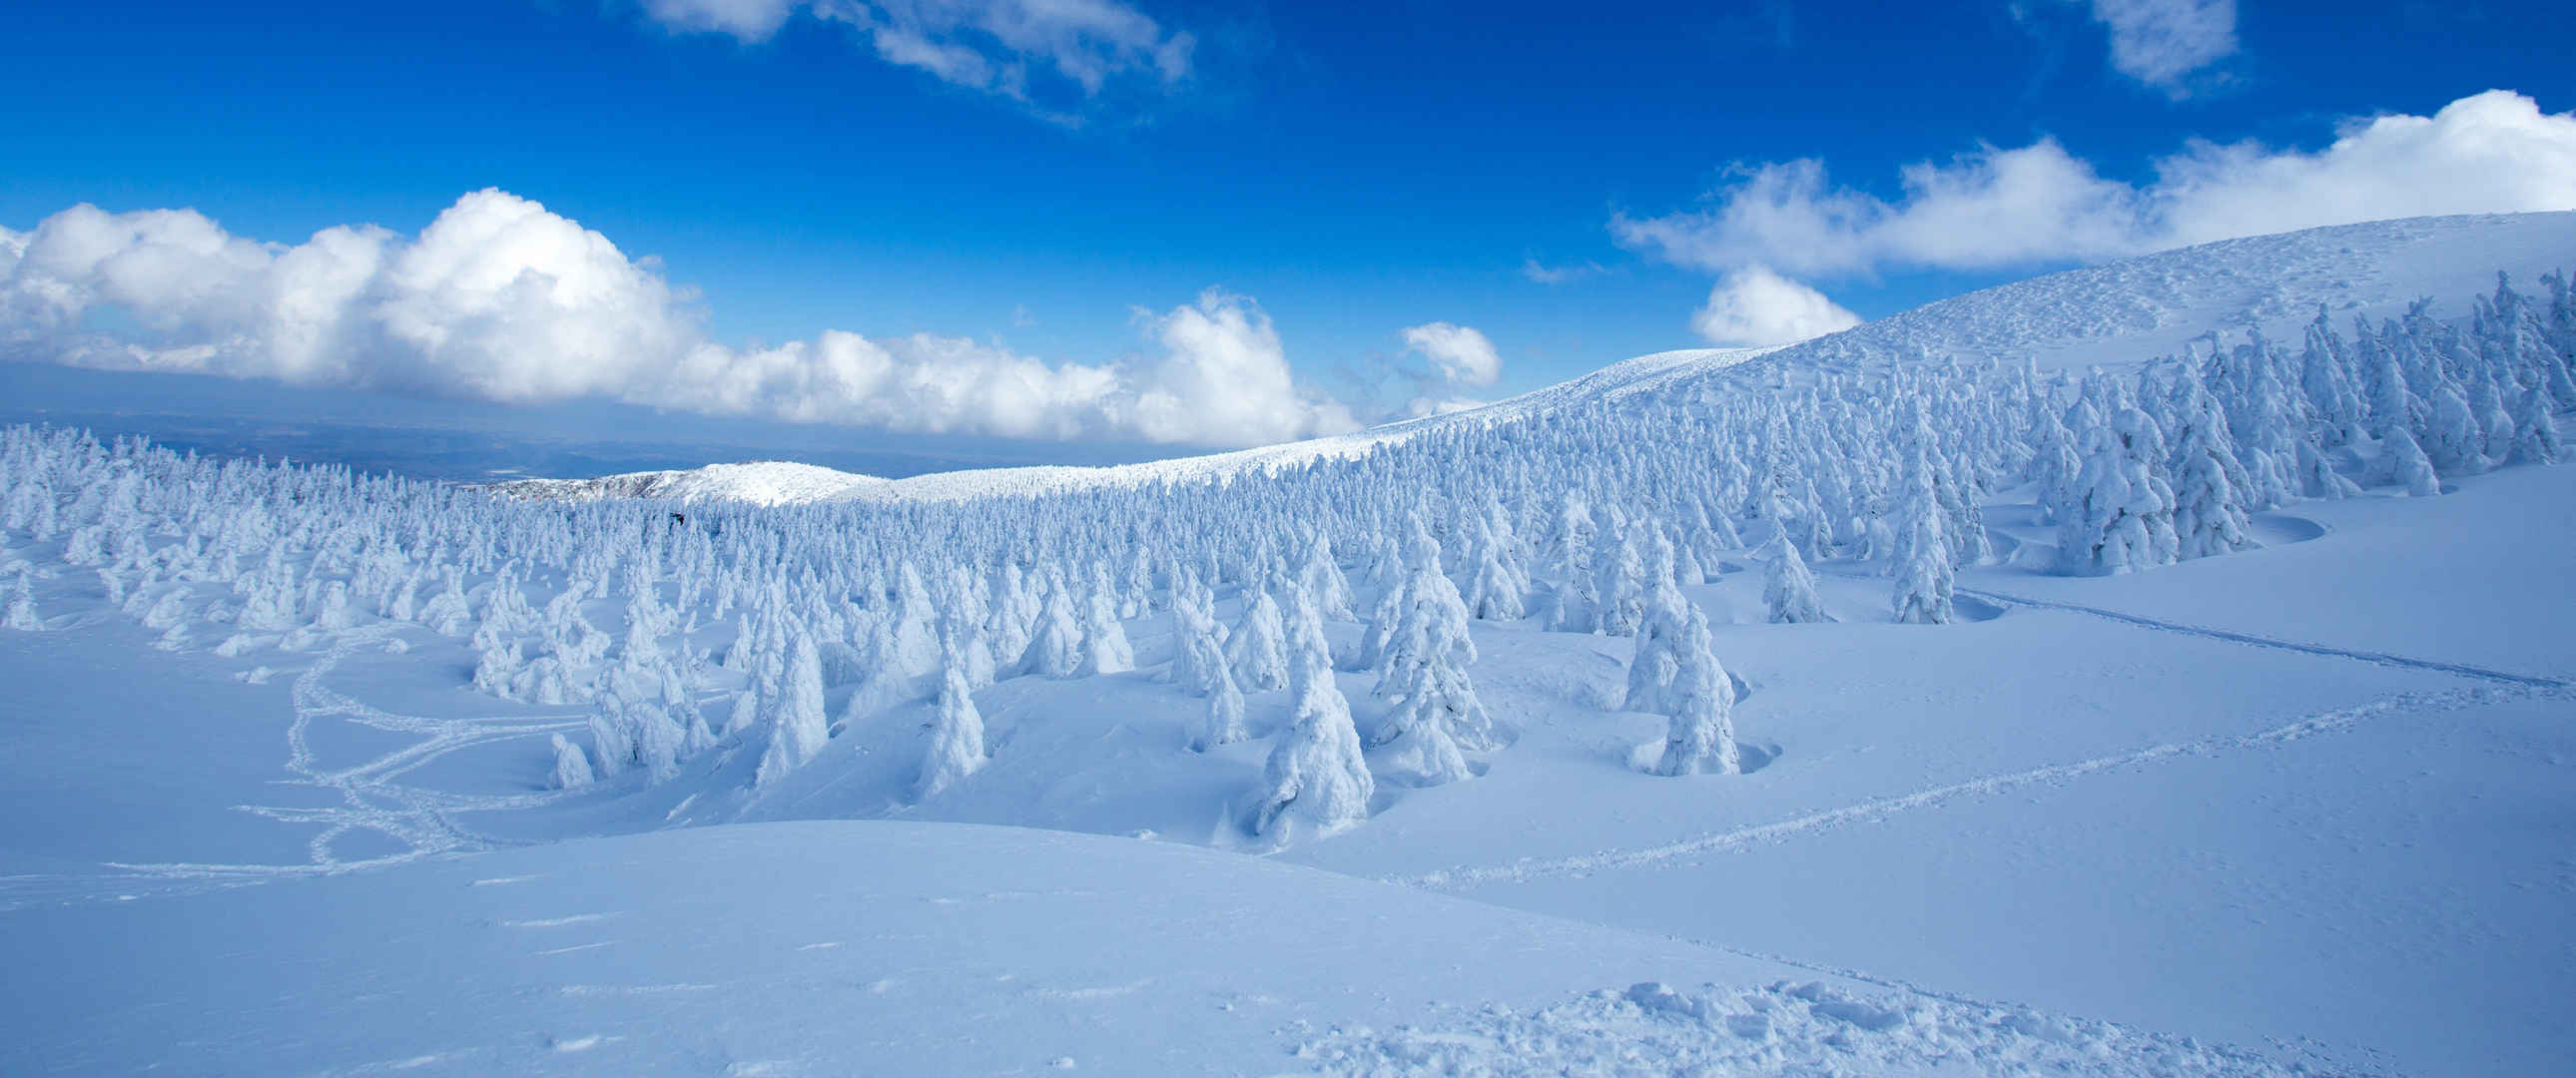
pixel 2156 669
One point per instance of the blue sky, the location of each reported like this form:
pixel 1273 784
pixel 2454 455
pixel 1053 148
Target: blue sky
pixel 1346 171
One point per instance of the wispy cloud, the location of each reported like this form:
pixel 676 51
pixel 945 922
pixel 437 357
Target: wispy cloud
pixel 2166 44
pixel 501 299
pixel 1057 57
pixel 1534 270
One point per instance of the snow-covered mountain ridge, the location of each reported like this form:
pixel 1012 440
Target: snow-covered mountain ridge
pixel 765 482
pixel 2118 314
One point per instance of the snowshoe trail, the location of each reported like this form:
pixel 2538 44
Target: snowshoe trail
pixel 371 795
pixel 1467 877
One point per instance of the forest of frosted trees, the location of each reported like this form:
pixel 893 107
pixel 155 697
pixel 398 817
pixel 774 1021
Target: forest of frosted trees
pixel 727 634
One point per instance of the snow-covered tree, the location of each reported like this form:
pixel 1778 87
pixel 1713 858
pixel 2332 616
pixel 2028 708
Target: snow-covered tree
pixel 1222 723
pixel 2122 518
pixel 2455 440
pixel 1497 583
pixel 797 726
pixel 1434 712
pixel 1618 573
pixel 1055 639
pixel 1105 649
pixel 956 747
pixel 1258 650
pixel 2209 508
pixel 1788 586
pixel 2408 467
pixel 1316 782
pixel 1684 682
pixel 1675 674
pixel 2535 432
pixel 572 772
pixel 21 612
pixel 1573 604
pixel 1322 578
pixel 1198 639
pixel 1925 578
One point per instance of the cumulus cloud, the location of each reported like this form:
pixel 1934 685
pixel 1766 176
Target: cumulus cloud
pixel 1457 354
pixel 2164 43
pixel 1440 359
pixel 1043 53
pixel 1224 379
pixel 2494 152
pixel 501 299
pixel 1754 306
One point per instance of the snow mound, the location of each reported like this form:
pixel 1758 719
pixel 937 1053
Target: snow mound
pixel 1784 1028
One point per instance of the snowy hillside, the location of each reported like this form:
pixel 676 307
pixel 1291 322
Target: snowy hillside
pixel 768 482
pixel 2186 701
pixel 2120 314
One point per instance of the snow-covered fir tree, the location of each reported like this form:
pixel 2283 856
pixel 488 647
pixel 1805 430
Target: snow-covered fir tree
pixel 1316 781
pixel 1788 586
pixel 1258 647
pixel 1675 674
pixel 956 746
pixel 21 611
pixel 1433 712
pixel 1105 649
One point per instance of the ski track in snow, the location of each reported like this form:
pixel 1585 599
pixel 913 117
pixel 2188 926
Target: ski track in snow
pixel 422 820
pixel 1464 877
pixel 2232 636
pixel 2514 686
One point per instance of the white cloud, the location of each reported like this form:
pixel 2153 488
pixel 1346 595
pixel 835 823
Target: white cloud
pixel 750 20
pixel 1458 354
pixel 500 299
pixel 1224 380
pixel 1534 270
pixel 2163 43
pixel 1054 55
pixel 2494 152
pixel 1754 306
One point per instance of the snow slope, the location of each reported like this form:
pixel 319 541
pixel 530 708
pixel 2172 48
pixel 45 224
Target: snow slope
pixel 2121 314
pixel 2187 820
pixel 896 948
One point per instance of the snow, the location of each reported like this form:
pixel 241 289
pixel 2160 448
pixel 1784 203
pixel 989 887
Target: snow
pixel 2303 807
pixel 768 482
pixel 2119 314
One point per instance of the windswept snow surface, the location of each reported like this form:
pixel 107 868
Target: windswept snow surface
pixel 2304 807
pixel 845 947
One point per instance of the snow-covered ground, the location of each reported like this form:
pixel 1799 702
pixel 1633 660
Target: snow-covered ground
pixel 2305 807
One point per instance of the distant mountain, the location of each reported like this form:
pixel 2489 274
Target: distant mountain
pixel 2119 314
pixel 767 482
